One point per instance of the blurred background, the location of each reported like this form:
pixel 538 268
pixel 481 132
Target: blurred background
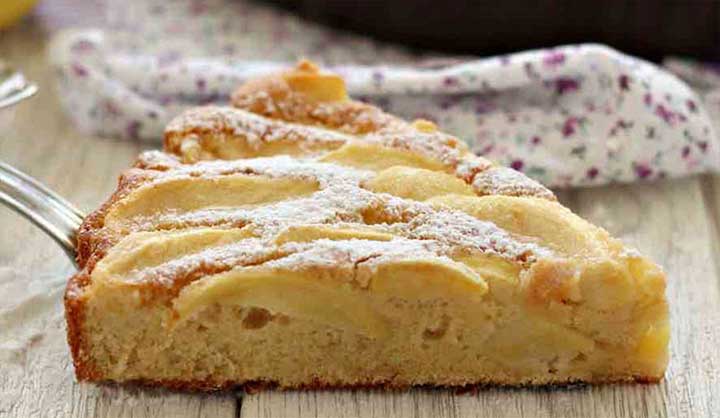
pixel 578 109
pixel 651 29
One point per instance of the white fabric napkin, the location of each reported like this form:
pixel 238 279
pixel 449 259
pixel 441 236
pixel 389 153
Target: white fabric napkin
pixel 567 116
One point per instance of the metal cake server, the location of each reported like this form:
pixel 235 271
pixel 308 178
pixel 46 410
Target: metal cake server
pixel 54 215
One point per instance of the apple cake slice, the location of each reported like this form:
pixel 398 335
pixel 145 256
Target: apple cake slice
pixel 301 239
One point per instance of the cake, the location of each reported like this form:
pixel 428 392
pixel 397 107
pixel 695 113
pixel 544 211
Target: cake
pixel 300 239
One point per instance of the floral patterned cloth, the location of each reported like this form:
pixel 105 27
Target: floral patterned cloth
pixel 568 116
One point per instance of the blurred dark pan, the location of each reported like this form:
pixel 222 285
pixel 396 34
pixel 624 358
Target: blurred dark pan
pixel 650 29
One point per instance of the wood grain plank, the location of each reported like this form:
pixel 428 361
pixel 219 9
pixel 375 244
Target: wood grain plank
pixel 668 222
pixel 711 193
pixel 36 375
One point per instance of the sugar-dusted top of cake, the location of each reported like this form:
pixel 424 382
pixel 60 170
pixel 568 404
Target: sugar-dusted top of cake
pixel 294 176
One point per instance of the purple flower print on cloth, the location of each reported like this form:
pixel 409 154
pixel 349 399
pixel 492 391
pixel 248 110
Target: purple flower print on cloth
pixel 565 85
pixel 568 116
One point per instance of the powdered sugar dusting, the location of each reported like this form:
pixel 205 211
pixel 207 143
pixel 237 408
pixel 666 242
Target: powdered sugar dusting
pixel 253 129
pixel 506 181
pixel 157 160
pixel 436 145
pixel 469 166
pixel 219 258
pixel 351 260
pixel 326 174
pixel 419 230
pixel 455 229
pixel 329 205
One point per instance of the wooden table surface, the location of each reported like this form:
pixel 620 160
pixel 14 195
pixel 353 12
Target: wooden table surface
pixel 675 222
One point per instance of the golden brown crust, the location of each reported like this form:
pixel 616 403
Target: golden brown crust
pixel 257 386
pixel 273 97
pixel 74 316
pixel 200 133
pixel 91 246
pixel 91 242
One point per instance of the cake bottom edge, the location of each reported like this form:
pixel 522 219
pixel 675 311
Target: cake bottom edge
pixel 256 386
